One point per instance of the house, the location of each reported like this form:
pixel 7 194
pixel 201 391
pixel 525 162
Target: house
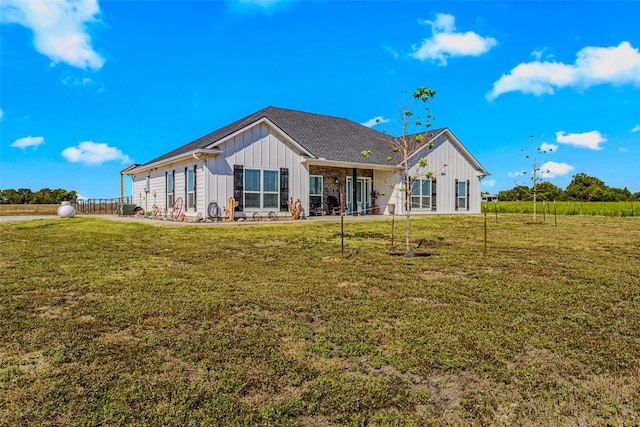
pixel 276 154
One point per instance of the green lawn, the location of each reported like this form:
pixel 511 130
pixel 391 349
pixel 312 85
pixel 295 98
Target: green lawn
pixel 109 323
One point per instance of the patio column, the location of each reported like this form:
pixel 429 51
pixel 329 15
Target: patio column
pixel 354 191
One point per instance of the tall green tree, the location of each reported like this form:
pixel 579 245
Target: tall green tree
pixel 42 196
pixel 586 188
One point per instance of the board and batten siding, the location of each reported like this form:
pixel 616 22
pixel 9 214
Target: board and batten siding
pixel 259 147
pixel 457 168
pixel 157 194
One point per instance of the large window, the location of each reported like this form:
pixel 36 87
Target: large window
pixel 260 189
pixel 191 188
pixel 421 194
pixel 461 195
pixel 315 191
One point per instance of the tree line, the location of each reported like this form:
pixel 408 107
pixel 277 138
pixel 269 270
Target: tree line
pixel 43 196
pixel 582 188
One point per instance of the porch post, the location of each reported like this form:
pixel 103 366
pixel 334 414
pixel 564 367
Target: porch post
pixel 354 192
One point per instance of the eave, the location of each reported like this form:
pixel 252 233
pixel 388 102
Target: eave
pixel 197 154
pixel 352 165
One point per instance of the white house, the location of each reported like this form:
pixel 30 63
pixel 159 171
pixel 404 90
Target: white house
pixel 275 154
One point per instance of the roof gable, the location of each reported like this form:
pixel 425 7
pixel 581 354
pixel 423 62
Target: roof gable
pixel 319 136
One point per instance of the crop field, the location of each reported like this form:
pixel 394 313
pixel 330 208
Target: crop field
pixel 28 209
pixel 127 323
pixel 566 208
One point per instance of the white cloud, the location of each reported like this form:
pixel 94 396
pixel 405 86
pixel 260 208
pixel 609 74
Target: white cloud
pixel 543 52
pixel 516 174
pixel 1 113
pixel 553 169
pixel 624 150
pixel 446 42
pixel 28 141
pixel 488 183
pixel 548 147
pixel 636 128
pixel 94 153
pixel 374 121
pixel 59 28
pixel 616 65
pixel 590 140
pixel 68 81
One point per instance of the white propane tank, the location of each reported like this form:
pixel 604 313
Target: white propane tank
pixel 65 210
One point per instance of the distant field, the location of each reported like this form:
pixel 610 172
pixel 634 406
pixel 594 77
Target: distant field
pixel 8 210
pixel 110 323
pixel 567 208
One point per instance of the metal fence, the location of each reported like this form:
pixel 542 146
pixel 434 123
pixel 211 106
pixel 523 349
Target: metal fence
pixel 100 206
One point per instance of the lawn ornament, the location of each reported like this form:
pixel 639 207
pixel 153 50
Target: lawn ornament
pixel 213 211
pixel 155 211
pixel 295 208
pixel 177 208
pixel 65 210
pixel 231 207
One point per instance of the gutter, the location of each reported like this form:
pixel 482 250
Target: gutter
pixel 340 164
pixel 198 154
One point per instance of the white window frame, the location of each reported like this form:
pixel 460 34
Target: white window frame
pixel 462 195
pixel 171 186
pixel 261 191
pixel 191 188
pixel 421 197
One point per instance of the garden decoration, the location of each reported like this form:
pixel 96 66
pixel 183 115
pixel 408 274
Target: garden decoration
pixel 295 208
pixel 177 208
pixel 231 207
pixel 213 211
pixel 155 211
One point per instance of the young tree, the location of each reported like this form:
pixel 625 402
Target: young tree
pixel 537 174
pixel 407 143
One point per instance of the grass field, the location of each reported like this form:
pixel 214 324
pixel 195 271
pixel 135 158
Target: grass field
pixel 110 323
pixel 566 208
pixel 27 209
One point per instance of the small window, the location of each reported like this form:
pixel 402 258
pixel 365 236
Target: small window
pixel 421 194
pixel 315 191
pixel 170 189
pixel 191 187
pixel 461 201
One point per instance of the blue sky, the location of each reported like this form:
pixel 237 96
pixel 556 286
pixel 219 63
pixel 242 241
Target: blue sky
pixel 89 87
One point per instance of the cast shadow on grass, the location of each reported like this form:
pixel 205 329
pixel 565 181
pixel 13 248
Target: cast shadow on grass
pixel 362 235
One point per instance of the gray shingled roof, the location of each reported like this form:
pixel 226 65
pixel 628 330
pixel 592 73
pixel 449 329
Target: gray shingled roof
pixel 331 138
